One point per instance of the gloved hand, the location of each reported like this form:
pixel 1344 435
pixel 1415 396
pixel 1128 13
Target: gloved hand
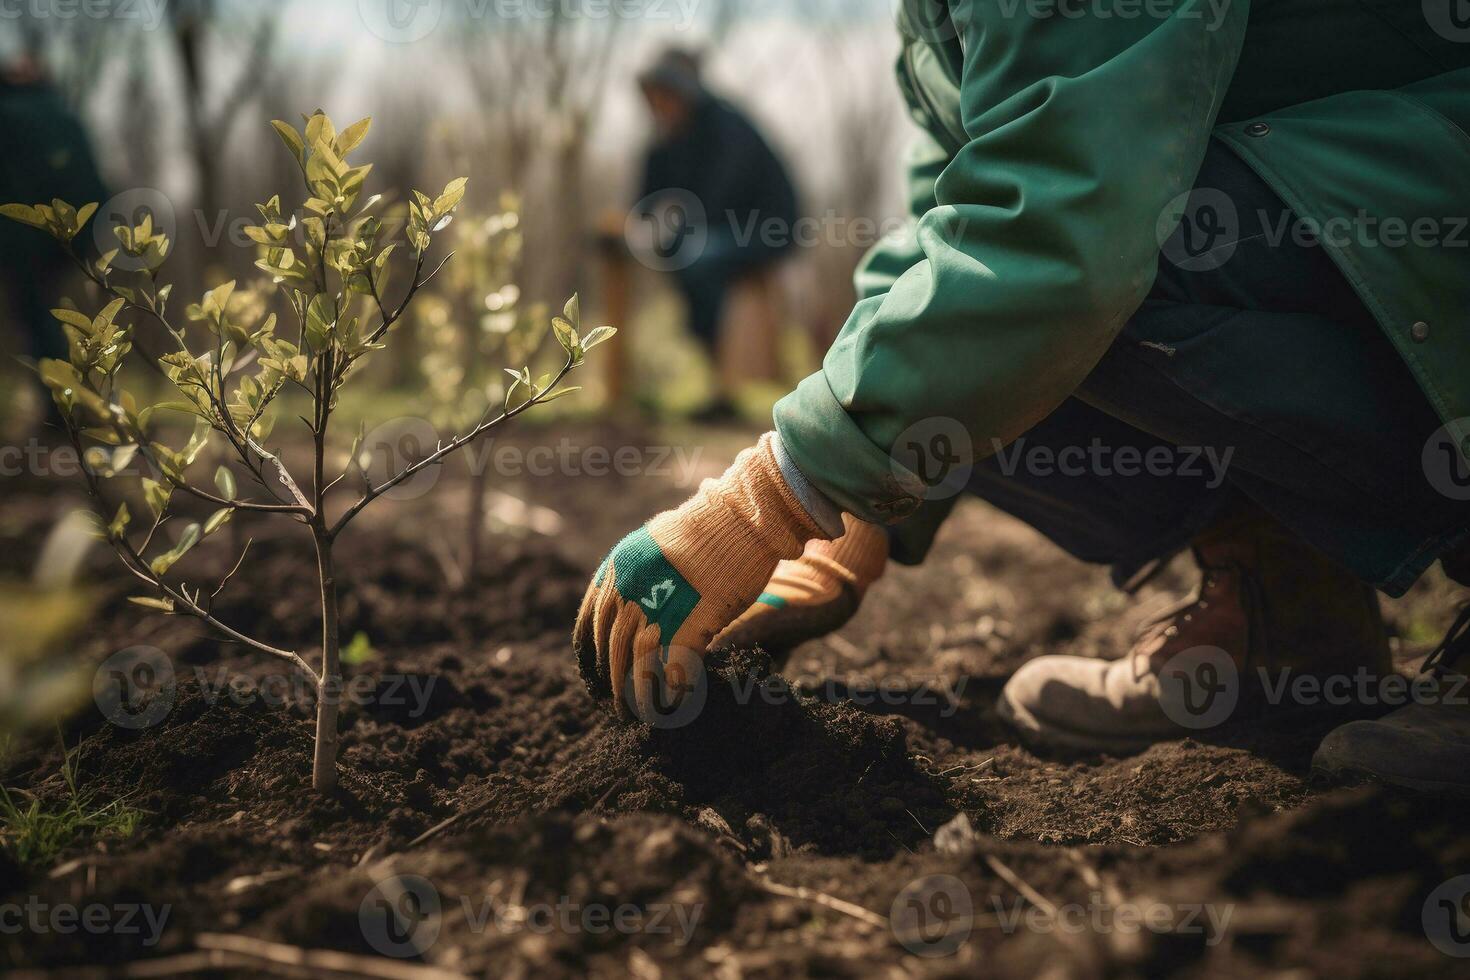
pixel 814 594
pixel 667 589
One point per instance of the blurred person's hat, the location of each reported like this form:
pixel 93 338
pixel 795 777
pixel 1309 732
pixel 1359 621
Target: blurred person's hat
pixel 676 70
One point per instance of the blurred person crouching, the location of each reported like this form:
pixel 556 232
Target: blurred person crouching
pixel 49 157
pixel 723 211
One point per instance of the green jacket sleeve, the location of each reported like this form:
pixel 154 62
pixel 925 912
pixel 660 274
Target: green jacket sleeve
pixel 1075 135
pixel 899 252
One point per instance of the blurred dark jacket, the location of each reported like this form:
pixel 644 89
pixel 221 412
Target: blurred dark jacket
pixel 47 157
pixel 721 159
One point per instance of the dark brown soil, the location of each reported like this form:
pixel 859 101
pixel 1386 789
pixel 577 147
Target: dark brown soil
pixel 557 814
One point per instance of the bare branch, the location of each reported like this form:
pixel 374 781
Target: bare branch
pixel 133 561
pixel 231 573
pixel 285 476
pixel 452 446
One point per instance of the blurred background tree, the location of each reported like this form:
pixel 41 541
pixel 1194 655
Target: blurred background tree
pixel 537 98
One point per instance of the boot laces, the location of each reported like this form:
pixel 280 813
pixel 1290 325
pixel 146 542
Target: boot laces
pixel 1252 598
pixel 1454 648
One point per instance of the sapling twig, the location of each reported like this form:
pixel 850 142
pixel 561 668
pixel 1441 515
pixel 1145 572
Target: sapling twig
pixel 321 261
pixel 475 320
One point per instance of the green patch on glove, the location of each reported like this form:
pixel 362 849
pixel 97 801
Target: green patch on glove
pixel 645 577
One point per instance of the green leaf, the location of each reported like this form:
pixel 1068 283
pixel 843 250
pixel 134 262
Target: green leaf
pixel 109 312
pixel 573 311
pixel 320 321
pixel 165 561
pixel 597 336
pixel 105 435
pixel 198 439
pixel 216 298
pixel 511 400
pixel 348 139
pixel 122 456
pixel 95 527
pixel 75 318
pixel 173 406
pixel 120 521
pixel 566 334
pixel 559 393
pixel 84 214
pixel 359 650
pixel 453 194
pixel 261 430
pixel 98 460
pixel 66 216
pixel 25 214
pixel 291 138
pixel 218 520
pixel 167 605
pixel 156 495
pixel 188 539
pixel 225 480
pixel 319 129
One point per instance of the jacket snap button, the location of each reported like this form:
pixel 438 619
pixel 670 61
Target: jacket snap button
pixel 1258 129
pixel 1419 331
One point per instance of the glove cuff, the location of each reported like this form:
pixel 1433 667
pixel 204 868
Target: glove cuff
pixel 822 510
pixel 857 558
pixel 737 527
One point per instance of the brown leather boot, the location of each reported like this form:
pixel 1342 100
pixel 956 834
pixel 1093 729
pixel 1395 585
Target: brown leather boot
pixel 1269 611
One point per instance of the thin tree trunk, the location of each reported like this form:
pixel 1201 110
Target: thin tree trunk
pixel 329 689
pixel 479 484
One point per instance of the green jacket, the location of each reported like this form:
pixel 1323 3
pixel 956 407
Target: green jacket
pixel 1051 147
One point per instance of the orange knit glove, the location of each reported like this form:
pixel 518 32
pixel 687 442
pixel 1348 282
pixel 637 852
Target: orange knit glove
pixel 816 593
pixel 667 589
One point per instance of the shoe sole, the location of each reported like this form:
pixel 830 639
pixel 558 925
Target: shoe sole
pixel 1432 787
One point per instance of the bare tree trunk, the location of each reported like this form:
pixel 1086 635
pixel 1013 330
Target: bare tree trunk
pixel 329 688
pixel 479 486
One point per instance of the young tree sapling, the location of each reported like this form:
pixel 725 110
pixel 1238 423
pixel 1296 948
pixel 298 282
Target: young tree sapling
pixel 331 263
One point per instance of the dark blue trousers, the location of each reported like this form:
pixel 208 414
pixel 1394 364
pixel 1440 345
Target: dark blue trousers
pixel 1253 369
